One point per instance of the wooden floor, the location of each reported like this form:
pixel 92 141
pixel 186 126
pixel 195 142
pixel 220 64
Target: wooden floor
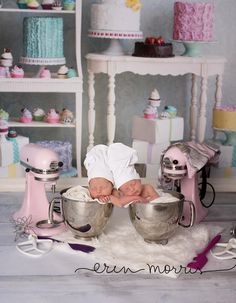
pixel 46 284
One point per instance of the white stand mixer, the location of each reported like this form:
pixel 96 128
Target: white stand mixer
pixel 42 167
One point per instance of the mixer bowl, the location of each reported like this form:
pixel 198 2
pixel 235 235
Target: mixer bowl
pixel 85 219
pixel 157 222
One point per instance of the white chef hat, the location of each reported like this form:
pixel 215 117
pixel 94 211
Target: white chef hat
pixel 121 160
pixel 96 163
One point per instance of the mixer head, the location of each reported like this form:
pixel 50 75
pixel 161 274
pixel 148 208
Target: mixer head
pixel 173 163
pixel 42 162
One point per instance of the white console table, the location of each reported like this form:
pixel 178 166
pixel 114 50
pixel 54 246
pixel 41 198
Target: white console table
pixel 175 66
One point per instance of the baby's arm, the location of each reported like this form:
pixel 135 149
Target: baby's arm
pixel 149 192
pixel 119 201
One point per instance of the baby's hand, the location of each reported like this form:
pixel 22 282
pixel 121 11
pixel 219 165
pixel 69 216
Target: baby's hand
pixel 104 199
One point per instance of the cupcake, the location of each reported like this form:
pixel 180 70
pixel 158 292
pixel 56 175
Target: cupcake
pixel 3 126
pixel 150 112
pixel 17 72
pixel 57 6
pixel 22 4
pixel 66 116
pixel 47 4
pixel 62 72
pixel 69 5
pixel 45 73
pixel 12 133
pixel 169 112
pixel 33 4
pixel 38 114
pixel 4 115
pixel 26 116
pixel 6 58
pixel 52 116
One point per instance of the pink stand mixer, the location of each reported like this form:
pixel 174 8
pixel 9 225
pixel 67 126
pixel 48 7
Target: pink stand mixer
pixel 42 167
pixel 176 168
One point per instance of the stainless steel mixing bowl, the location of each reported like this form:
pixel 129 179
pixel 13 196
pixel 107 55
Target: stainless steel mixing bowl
pixel 86 219
pixel 157 222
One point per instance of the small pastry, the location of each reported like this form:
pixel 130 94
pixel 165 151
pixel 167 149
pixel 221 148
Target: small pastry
pixel 62 72
pixel 47 4
pixel 17 72
pixel 69 5
pixel 33 4
pixel 12 133
pixel 45 73
pixel 150 112
pixel 66 116
pixel 57 6
pixel 38 114
pixel 4 115
pixel 52 116
pixel 169 112
pixel 71 73
pixel 22 4
pixel 26 116
pixel 6 58
pixel 3 126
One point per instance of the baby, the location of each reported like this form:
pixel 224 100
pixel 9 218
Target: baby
pixel 121 160
pixel 100 178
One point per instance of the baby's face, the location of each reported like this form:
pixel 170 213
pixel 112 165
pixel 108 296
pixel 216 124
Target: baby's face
pixel 100 187
pixel 132 188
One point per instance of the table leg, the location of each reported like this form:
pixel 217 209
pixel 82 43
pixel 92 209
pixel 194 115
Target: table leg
pixel 202 115
pixel 91 111
pixel 193 109
pixel 111 118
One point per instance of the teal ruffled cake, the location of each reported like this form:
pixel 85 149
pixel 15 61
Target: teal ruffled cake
pixel 43 40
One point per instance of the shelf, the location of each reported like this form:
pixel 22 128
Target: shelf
pixel 71 85
pixel 15 123
pixel 35 11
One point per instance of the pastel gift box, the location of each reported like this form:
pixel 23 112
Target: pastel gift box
pixel 10 149
pixel 15 170
pixel 227 157
pixel 149 153
pixel 158 130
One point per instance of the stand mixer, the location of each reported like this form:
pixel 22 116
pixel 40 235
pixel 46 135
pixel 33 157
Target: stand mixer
pixel 175 168
pixel 42 167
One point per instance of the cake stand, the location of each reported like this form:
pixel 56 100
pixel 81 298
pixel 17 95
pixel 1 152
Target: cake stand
pixel 42 62
pixel 115 47
pixel 193 48
pixel 230 136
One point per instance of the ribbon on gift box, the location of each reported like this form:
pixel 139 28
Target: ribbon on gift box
pixel 16 150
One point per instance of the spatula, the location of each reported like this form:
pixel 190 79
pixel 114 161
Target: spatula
pixel 75 246
pixel 201 259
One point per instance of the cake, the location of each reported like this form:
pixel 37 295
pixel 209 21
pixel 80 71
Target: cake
pixel 26 116
pixel 153 47
pixel 52 116
pixel 224 117
pixel 193 21
pixel 43 40
pixel 63 149
pixel 38 114
pixel 22 4
pixel 4 115
pixel 116 15
pixel 57 6
pixel 17 72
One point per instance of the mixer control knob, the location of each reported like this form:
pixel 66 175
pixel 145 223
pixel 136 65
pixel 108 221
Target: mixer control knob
pixel 27 170
pixel 60 164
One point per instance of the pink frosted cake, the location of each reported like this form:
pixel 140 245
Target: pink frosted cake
pixel 224 117
pixel 193 21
